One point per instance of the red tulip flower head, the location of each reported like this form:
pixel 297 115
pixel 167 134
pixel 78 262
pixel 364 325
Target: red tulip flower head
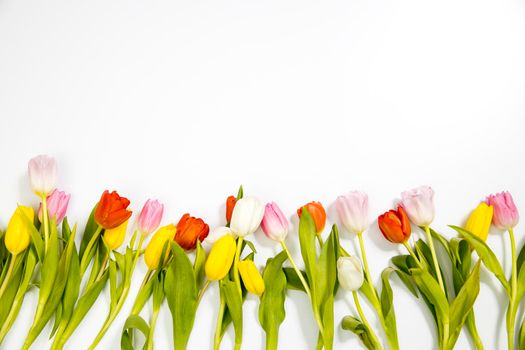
pixel 112 210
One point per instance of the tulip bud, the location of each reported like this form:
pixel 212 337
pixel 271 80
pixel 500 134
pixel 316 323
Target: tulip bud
pixel 479 221
pixel 114 237
pixel 352 209
pixel 152 254
pixel 394 225
pixel 57 203
pixel 251 277
pixel 111 210
pixel 189 230
pixel 506 214
pixel 419 205
pixel 18 234
pixel 220 258
pixel 318 214
pixel 274 224
pixel 42 174
pixel 350 273
pixel 230 204
pixel 247 216
pixel 150 216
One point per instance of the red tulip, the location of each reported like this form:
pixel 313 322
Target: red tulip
pixel 394 225
pixel 230 204
pixel 189 230
pixel 316 210
pixel 112 210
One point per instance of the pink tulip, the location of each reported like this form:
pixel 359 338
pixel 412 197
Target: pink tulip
pixel 57 203
pixel 506 214
pixel 352 210
pixel 42 174
pixel 274 224
pixel 150 216
pixel 419 205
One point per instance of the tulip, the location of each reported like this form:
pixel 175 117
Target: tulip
pixel 274 224
pixel 419 205
pixel 247 216
pixel 251 277
pixel 114 237
pixel 350 273
pixel 42 174
pixel 353 211
pixel 316 210
pixel 479 220
pixel 156 245
pixel 506 214
pixel 189 230
pixel 394 225
pixel 150 216
pixel 111 210
pixel 230 204
pixel 220 258
pixel 216 234
pixel 18 234
pixel 57 203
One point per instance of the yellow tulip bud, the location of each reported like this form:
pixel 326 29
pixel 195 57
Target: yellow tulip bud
pixel 220 258
pixel 156 245
pixel 479 221
pixel 251 277
pixel 18 234
pixel 115 236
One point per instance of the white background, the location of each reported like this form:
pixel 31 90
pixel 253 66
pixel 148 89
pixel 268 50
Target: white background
pixel 297 100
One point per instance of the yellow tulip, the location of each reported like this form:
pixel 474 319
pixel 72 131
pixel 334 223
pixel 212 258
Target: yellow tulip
pixel 156 245
pixel 251 277
pixel 220 258
pixel 18 233
pixel 479 221
pixel 115 236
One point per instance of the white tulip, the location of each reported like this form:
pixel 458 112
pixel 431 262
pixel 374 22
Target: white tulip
pixel 350 273
pixel 247 216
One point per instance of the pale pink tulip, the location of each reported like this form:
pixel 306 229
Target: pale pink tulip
pixel 274 224
pixel 419 205
pixel 506 214
pixel 57 203
pixel 352 210
pixel 42 174
pixel 150 216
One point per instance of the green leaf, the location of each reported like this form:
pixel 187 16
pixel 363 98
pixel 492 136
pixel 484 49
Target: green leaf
pixel 486 255
pixel 144 294
pixel 387 307
pixel 404 263
pixel 355 326
pixel 133 322
pixel 91 227
pixel 442 240
pixel 307 236
pixel 292 279
pixel 234 303
pixel 462 305
pixel 198 265
pixel 49 269
pixel 271 308
pixel 240 193
pixel 249 244
pixel 181 293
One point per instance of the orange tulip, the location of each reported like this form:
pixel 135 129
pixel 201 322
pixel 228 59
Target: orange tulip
pixel 189 230
pixel 112 210
pixel 394 225
pixel 316 210
pixel 230 204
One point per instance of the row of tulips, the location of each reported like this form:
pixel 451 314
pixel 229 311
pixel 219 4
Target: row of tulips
pixel 40 249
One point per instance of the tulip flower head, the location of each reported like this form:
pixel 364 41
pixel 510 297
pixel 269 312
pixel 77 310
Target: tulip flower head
pixel 316 210
pixel 419 205
pixel 112 210
pixel 150 216
pixel 216 234
pixel 506 214
pixel 42 174
pixel 153 252
pixel 230 204
pixel 247 216
pixel 220 258
pixel 352 209
pixel 350 273
pixel 57 203
pixel 189 230
pixel 394 225
pixel 274 224
pixel 114 237
pixel 479 220
pixel 251 277
pixel 18 234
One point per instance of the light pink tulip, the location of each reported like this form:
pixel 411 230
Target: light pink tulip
pixel 274 224
pixel 506 214
pixel 150 216
pixel 57 203
pixel 419 205
pixel 352 210
pixel 42 174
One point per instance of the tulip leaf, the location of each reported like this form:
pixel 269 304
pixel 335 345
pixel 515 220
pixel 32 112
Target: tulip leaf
pixel 292 279
pixel 234 303
pixel 307 236
pixel 442 240
pixel 133 322
pixel 404 263
pixel 462 305
pixel 91 228
pixel 521 283
pixel 198 265
pixel 49 269
pixel 181 293
pixel 355 326
pixel 387 306
pixel 486 255
pixel 240 193
pixel 144 293
pixel 245 242
pixel 9 294
pixel 271 308
pixel 521 337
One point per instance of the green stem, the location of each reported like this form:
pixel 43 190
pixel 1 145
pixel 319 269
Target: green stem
pixel 137 307
pixel 411 252
pixel 319 239
pixel 86 257
pixel 373 336
pixel 365 260
pixel 152 324
pixel 218 326
pixel 236 277
pixel 513 306
pixel 201 292
pixel 8 274
pixel 45 222
pixel 434 258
